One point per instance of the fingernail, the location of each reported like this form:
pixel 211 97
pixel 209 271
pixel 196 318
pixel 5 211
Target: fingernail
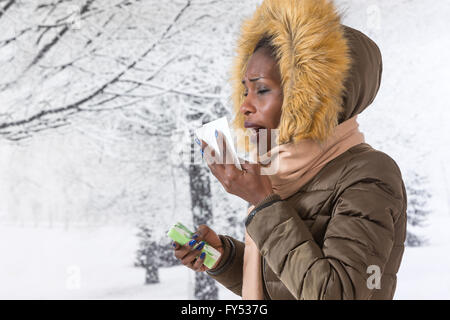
pixel 195 236
pixel 198 142
pixel 217 133
pixel 192 242
pixel 173 244
pixel 202 255
pixel 201 245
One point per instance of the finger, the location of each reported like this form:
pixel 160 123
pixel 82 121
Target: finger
pixel 181 251
pixel 213 161
pixel 203 144
pixel 229 168
pixel 201 233
pixel 209 154
pixel 194 262
pixel 189 259
pixel 198 264
pixel 243 161
pixel 225 150
pixel 222 147
pixel 207 149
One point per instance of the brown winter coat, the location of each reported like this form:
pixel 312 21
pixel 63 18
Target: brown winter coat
pixel 323 241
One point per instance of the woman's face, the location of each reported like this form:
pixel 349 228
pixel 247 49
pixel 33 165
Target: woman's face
pixel 263 94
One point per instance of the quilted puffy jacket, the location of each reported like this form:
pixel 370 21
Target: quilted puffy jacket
pixel 320 242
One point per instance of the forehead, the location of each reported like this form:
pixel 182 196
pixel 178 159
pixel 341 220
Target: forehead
pixel 262 64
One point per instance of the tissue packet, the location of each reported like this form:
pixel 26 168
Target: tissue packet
pixel 182 235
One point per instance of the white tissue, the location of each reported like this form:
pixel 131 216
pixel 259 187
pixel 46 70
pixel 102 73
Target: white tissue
pixel 207 134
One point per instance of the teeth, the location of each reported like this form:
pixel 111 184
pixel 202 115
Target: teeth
pixel 252 131
pixel 255 130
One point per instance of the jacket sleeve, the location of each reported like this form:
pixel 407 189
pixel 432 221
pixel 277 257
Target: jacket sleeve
pixel 360 234
pixel 229 271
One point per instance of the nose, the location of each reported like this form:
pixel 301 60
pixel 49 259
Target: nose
pixel 247 107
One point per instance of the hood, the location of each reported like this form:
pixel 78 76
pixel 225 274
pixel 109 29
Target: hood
pixel 330 72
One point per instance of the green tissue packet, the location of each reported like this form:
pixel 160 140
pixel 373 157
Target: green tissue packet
pixel 179 233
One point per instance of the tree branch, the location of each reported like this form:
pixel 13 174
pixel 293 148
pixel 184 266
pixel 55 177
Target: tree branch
pixel 77 106
pixel 6 7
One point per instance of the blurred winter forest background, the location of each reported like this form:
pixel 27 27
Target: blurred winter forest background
pixel 98 100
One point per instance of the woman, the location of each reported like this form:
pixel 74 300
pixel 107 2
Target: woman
pixel 331 223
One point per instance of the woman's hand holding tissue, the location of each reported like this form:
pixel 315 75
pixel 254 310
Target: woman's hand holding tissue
pixel 247 184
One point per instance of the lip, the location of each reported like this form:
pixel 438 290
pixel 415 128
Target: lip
pixel 252 125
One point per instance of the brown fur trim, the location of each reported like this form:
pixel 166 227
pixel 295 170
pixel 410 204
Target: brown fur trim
pixel 314 61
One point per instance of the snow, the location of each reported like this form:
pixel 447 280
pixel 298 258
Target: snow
pixel 82 263
pixel 424 271
pixel 424 275
pixel 97 263
pixel 89 173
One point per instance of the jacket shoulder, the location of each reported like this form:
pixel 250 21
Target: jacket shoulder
pixel 364 164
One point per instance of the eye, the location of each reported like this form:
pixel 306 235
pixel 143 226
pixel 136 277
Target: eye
pixel 260 91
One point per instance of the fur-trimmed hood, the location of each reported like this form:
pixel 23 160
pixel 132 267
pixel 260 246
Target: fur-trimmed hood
pixel 330 72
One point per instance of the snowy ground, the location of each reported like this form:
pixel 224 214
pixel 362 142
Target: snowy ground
pixel 43 263
pixel 425 271
pixel 96 263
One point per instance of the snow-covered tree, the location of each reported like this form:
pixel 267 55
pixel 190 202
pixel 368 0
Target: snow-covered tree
pixel 418 207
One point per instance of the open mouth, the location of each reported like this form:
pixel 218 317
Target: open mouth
pixel 255 129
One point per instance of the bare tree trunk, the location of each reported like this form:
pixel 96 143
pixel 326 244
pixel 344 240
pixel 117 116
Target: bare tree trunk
pixel 205 287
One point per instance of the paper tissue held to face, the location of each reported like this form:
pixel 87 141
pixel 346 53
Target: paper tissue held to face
pixel 207 134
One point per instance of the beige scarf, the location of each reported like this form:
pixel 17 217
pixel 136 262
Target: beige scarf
pixel 297 164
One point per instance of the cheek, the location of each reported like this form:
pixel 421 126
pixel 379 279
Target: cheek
pixel 274 112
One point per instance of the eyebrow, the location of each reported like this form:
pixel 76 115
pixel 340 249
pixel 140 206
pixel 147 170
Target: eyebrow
pixel 253 80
